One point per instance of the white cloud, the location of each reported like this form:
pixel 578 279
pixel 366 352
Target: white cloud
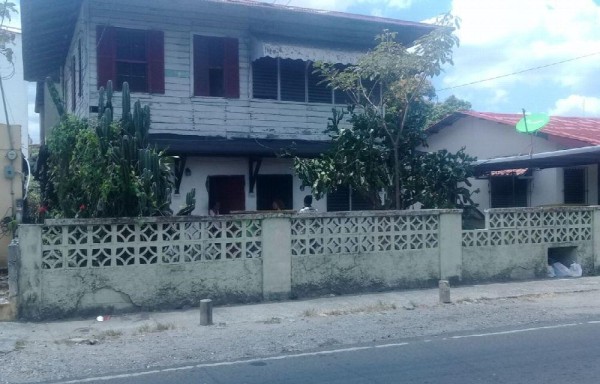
pixel 508 36
pixel 577 105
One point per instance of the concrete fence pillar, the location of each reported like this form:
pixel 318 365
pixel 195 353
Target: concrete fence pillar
pixel 276 258
pixel 451 246
pixel 29 266
pixel 596 240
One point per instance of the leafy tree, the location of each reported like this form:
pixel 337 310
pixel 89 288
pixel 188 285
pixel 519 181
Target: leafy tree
pixel 450 105
pixel 377 151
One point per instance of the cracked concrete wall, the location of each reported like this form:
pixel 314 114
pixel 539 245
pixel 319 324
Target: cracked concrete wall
pixel 272 272
pixel 83 292
pixel 518 262
pixel 45 294
pixel 351 273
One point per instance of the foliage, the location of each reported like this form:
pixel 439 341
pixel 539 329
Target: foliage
pixel 449 106
pixel 106 168
pixel 190 204
pixel 390 87
pixel 7 9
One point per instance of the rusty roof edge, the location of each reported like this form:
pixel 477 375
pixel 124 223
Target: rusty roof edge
pixel 346 15
pixel 445 122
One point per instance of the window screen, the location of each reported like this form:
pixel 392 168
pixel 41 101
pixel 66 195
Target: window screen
pixel 264 78
pixel 318 91
pixel 574 186
pixel 293 85
pixel 508 191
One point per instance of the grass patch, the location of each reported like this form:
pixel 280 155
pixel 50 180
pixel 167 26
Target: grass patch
pixel 111 333
pixel 311 312
pixel 380 306
pixel 158 327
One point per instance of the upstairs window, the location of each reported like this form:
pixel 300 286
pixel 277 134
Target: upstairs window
pixel 265 84
pixel 216 67
pixel 79 69
pixel 318 91
pixel 291 80
pixel 131 55
pixel 73 85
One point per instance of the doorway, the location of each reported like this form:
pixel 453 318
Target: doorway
pixel 228 191
pixel 270 188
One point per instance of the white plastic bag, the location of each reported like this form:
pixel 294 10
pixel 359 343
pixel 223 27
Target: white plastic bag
pixel 550 271
pixel 560 270
pixel 576 270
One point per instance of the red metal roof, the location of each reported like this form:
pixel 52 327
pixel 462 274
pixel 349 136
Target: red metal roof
pixel 582 129
pixel 510 172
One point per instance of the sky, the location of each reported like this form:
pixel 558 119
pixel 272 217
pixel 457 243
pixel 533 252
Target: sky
pixel 499 38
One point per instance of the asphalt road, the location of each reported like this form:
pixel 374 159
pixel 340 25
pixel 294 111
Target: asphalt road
pixel 559 353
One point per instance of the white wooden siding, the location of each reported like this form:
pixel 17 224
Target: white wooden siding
pixel 82 102
pixel 178 111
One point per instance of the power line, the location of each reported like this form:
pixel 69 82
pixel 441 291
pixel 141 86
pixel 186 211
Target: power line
pixel 518 72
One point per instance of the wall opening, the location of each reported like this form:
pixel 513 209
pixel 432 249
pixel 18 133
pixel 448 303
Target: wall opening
pixel 564 255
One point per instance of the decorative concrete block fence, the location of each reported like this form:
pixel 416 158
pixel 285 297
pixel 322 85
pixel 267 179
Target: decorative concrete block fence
pixel 98 266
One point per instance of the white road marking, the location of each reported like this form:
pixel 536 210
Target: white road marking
pixel 516 331
pixel 227 363
pixel 391 345
pixel 305 354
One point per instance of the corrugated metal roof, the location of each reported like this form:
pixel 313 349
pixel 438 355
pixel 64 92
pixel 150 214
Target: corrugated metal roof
pixel 510 172
pixel 345 15
pixel 556 159
pixel 582 129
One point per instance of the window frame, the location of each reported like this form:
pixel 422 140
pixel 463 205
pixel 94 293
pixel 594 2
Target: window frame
pixel 231 66
pixel 106 57
pixel 73 78
pixel 577 172
pixel 307 68
pixel 514 195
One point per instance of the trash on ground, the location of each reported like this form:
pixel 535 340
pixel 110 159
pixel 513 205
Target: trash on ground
pixel 560 270
pixel 576 270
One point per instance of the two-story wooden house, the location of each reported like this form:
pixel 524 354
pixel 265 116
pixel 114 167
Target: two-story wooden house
pixel 230 83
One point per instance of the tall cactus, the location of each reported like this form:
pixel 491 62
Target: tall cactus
pixel 138 163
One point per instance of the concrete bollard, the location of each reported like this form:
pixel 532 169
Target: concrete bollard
pixel 206 312
pixel 444 292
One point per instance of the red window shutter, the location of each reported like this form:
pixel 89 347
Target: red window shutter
pixel 106 54
pixel 201 60
pixel 155 51
pixel 231 68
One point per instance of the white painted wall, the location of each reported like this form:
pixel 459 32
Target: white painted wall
pixel 202 167
pixel 485 139
pixel 15 89
pixel 178 111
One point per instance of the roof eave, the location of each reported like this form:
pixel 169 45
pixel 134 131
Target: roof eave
pixel 47 32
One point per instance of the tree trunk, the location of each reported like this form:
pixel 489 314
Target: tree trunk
pixel 396 177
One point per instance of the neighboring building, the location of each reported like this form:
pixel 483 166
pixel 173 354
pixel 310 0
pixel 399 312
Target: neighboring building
pixel 13 145
pixel 556 175
pixel 230 83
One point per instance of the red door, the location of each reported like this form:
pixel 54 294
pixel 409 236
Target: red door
pixel 228 191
